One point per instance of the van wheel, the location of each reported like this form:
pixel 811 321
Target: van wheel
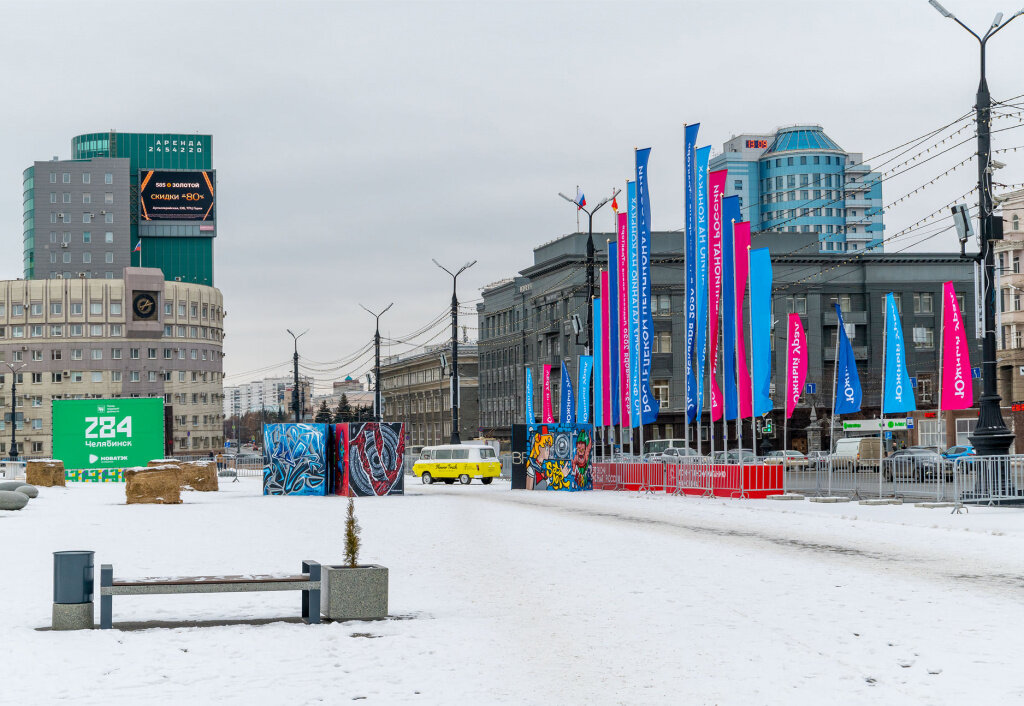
pixel 449 481
pixel 486 481
pixel 465 479
pixel 427 478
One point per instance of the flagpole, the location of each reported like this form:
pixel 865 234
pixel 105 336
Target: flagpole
pixel 835 391
pixel 942 341
pixel 753 386
pixel 738 328
pixel 789 392
pixel 881 433
pixel 710 364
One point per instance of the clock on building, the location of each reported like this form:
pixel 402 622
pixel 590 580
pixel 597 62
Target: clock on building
pixel 144 305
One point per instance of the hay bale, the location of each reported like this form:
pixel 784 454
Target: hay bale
pixel 153 485
pixel 183 479
pixel 202 475
pixel 45 472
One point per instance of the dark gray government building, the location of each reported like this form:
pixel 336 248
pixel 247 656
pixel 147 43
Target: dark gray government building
pixel 526 321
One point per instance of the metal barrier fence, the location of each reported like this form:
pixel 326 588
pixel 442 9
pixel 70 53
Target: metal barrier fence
pixel 928 478
pixel 691 477
pixel 989 480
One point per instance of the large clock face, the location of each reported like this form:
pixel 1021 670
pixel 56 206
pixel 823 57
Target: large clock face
pixel 144 305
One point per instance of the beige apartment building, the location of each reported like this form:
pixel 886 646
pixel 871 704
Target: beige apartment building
pixel 107 338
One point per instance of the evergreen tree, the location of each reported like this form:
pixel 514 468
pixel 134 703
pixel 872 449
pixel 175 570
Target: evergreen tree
pixel 323 413
pixel 344 411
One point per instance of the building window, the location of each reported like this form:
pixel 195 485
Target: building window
pixel 97 376
pixel 57 330
pixel 115 353
pixel 923 303
pixel 53 177
pixel 76 376
pixel 86 258
pixel 96 308
pixel 796 305
pixel 108 217
pixel 66 177
pixel 133 376
pixel 115 308
pixel 924 337
pixel 86 218
pixel 115 376
pixel 108 178
pixel 133 353
pixel 108 237
pixel 660 390
pixel 76 308
pixel 108 257
pixel 115 330
pixel 662 342
pixel 151 353
pixel 76 329
pixel 96 353
pixel 1016 222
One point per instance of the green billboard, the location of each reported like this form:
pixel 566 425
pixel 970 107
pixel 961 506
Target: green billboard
pixel 108 433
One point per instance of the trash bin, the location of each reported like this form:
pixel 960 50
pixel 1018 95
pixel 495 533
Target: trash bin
pixel 72 590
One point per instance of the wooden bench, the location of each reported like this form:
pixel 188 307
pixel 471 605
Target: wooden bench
pixel 308 582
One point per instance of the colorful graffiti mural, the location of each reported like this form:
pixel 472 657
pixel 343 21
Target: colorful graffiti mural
pixel 559 456
pixel 297 455
pixel 375 458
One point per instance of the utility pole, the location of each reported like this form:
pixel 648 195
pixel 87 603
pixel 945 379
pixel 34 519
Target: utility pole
pixel 455 348
pixel 14 391
pixel 295 370
pixel 378 416
pixel 990 437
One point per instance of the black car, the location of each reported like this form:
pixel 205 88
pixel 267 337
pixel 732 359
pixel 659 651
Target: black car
pixel 916 463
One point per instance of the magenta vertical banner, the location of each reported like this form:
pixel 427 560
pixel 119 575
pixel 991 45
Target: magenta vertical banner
pixel 625 383
pixel 741 236
pixel 606 379
pixel 796 363
pixel 548 413
pixel 957 390
pixel 716 190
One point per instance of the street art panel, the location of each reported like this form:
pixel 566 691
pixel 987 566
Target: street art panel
pixel 374 459
pixel 297 459
pixel 559 456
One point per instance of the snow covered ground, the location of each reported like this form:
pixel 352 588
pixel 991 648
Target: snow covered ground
pixel 530 597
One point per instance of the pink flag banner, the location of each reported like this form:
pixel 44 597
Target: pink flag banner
pixel 741 237
pixel 957 390
pixel 625 384
pixel 605 372
pixel 716 190
pixel 796 363
pixel 549 415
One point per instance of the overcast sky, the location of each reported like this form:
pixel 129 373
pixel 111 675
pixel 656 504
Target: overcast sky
pixel 355 141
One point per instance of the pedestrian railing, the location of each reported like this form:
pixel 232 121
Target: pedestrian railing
pixel 691 477
pixel 989 480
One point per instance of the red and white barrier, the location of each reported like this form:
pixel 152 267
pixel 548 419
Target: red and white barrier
pixel 718 480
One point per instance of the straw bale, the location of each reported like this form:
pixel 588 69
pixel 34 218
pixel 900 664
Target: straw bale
pixel 155 485
pixel 44 472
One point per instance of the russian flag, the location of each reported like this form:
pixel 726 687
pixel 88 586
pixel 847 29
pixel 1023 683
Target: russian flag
pixel 138 246
pixel 581 200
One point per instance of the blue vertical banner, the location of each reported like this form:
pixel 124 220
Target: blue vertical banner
pixel 615 251
pixel 634 308
pixel 761 329
pixel 700 203
pixel 690 329
pixel 567 405
pixel 586 367
pixel 528 415
pixel 899 393
pixel 730 215
pixel 848 392
pixel 649 406
pixel 598 363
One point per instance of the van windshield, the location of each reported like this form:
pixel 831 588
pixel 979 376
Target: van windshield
pixel 486 452
pixel 460 454
pixel 443 454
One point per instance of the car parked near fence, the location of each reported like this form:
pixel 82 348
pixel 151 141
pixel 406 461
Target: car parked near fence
pixel 789 458
pixel 674 454
pixel 917 463
pixel 958 451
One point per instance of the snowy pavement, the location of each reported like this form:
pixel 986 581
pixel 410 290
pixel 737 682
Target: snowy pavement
pixel 529 597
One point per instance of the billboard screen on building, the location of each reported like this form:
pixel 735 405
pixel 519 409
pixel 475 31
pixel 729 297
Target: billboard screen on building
pixel 101 433
pixel 176 196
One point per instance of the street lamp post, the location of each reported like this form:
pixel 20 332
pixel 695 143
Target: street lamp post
pixel 14 389
pixel 295 369
pixel 990 437
pixel 378 416
pixel 455 348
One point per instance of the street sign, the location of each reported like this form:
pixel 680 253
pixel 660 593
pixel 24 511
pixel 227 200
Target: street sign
pixel 913 382
pixel 910 422
pixel 975 373
pixel 877 425
pixel 113 433
pixel 888 435
pixel 811 388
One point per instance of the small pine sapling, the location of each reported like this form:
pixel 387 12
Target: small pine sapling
pixel 351 536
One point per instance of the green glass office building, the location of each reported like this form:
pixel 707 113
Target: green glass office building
pixel 90 207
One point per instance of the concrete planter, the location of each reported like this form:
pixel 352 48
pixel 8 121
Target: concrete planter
pixel 354 594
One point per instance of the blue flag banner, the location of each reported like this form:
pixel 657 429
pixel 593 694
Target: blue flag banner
pixel 634 308
pixel 586 367
pixel 700 201
pixel 529 417
pixel 847 393
pixel 612 415
pixel 567 404
pixel 730 215
pixel 649 406
pixel 899 394
pixel 690 329
pixel 598 364
pixel 761 328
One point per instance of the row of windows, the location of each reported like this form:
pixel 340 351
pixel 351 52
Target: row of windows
pixel 803 195
pixel 87 217
pixel 108 197
pixel 115 354
pixel 506 322
pixel 803 159
pixel 115 308
pixel 99 330
pixel 65 237
pixel 86 178
pixel 101 376
pixel 108 258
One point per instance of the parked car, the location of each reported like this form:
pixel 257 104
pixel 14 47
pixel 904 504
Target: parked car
pixel 673 454
pixel 958 451
pixel 790 458
pixel 456 461
pixel 735 456
pixel 917 463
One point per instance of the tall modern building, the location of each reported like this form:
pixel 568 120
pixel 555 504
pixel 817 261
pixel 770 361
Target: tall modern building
pixel 123 199
pixel 267 395
pixel 799 180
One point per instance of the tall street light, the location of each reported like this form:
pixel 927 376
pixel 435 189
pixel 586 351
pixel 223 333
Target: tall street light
pixel 376 364
pixel 455 347
pixel 14 389
pixel 295 369
pixel 990 437
pixel 590 258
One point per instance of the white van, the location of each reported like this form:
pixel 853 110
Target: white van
pixel 457 461
pixel 861 450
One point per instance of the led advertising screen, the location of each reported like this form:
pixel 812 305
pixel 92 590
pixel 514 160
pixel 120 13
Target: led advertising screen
pixel 176 196
pixel 102 433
